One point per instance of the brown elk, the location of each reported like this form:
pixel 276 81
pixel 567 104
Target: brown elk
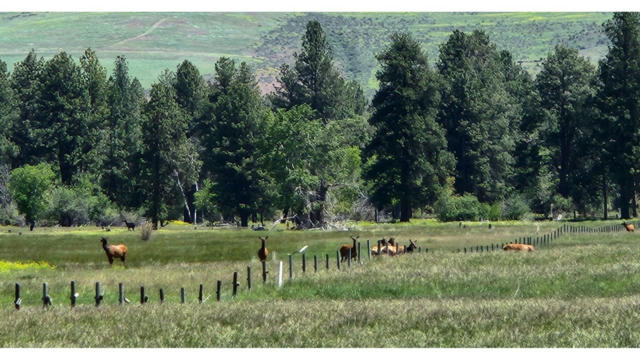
pixel 344 249
pixel 518 247
pixel 263 252
pixel 114 251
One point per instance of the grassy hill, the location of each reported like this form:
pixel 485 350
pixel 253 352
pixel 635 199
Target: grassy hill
pixel 155 41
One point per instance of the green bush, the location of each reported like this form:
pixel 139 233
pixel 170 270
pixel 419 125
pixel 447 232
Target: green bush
pixel 495 212
pixel 458 208
pixel 515 208
pixel 80 204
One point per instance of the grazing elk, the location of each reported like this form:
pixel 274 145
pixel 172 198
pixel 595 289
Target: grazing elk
pixel 114 251
pixel 130 226
pixel 263 252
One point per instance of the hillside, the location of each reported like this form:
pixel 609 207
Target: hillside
pixel 155 41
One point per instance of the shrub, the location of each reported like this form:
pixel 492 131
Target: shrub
pixel 146 230
pixel 515 208
pixel 495 212
pixel 29 187
pixel 457 208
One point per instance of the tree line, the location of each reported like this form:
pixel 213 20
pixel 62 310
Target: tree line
pixel 474 136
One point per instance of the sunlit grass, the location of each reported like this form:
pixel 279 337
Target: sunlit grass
pixel 581 290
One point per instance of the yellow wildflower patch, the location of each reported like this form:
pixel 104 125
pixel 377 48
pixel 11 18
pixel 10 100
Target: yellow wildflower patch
pixel 6 266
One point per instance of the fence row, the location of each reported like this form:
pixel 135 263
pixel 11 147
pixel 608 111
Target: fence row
pixel 544 240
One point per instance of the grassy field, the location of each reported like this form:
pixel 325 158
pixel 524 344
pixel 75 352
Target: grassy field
pixel 155 41
pixel 581 291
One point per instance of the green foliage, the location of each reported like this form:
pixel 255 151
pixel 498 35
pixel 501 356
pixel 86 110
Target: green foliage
pixel 409 159
pixel 515 207
pixel 315 81
pixel 619 102
pixel 25 82
pixel 564 85
pixel 8 117
pixel 168 159
pixel 122 137
pixel 479 113
pixel 63 123
pixel 458 208
pixel 233 129
pixel 29 186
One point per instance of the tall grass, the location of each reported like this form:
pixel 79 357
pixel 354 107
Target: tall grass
pixel 580 291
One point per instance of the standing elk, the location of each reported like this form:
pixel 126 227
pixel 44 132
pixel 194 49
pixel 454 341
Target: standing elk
pixel 114 251
pixel 263 252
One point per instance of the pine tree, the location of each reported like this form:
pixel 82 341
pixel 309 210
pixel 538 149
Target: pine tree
pixel 25 83
pixel 232 140
pixel 479 114
pixel 95 81
pixel 190 95
pixel 165 143
pixel 619 96
pixel 409 160
pixel 63 107
pixel 122 137
pixel 8 117
pixel 315 81
pixel 564 85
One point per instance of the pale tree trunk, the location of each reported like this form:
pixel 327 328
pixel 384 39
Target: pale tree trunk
pixel 184 198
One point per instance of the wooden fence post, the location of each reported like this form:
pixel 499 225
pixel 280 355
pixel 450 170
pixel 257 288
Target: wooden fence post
pixel 465 250
pixel 17 300
pixel 249 278
pixel 315 263
pixel 349 257
pixel 368 250
pixel 182 295
pixel 327 261
pixel 120 293
pixel 161 296
pixel 46 299
pixel 264 271
pixel 304 263
pixel 200 294
pixel 280 274
pixel 74 295
pixel 98 296
pixel 143 297
pixel 290 266
pixel 218 286
pixel 358 253
pixel 338 259
pixel 419 249
pixel 235 283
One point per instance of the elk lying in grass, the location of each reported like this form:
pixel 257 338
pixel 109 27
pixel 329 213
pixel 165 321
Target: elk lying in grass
pixel 263 252
pixel 114 251
pixel 629 227
pixel 518 247
pixel 344 249
pixel 386 247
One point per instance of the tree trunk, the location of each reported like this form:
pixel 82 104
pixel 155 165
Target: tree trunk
pixel 634 202
pixel 405 209
pixel 317 214
pixel 624 202
pixel 605 202
pixel 244 220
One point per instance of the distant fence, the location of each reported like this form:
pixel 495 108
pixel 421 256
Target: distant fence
pixel 538 241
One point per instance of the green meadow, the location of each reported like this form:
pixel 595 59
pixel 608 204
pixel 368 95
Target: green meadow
pixel 581 290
